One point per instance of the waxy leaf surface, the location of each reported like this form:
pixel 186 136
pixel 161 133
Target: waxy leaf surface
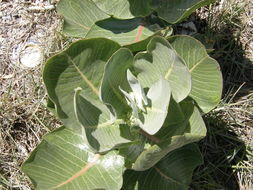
pixel 62 161
pixel 205 71
pixel 162 60
pixel 125 32
pixel 79 16
pixel 172 137
pixel 159 98
pixel 81 65
pixel 85 19
pixel 102 130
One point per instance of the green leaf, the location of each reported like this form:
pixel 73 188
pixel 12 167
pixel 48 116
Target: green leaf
pixel 62 161
pixel 79 16
pixel 162 60
pixel 177 126
pixel 175 113
pixel 82 18
pixel 102 130
pixel 191 130
pixel 115 77
pixel 205 71
pixel 158 31
pixel 159 98
pixel 174 11
pixel 124 9
pixel 81 65
pixel 125 32
pixel 132 152
pixel 173 172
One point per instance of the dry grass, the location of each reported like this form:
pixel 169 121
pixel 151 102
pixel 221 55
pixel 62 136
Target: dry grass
pixel 23 115
pixel 228 149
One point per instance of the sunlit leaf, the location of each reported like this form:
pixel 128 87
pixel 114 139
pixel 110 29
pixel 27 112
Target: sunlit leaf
pixel 103 131
pixel 81 65
pixel 205 71
pixel 162 60
pixel 79 16
pixel 159 98
pixel 63 161
pixel 125 32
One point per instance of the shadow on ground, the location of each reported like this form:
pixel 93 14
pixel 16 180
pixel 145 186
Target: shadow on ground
pixel 223 148
pixel 222 151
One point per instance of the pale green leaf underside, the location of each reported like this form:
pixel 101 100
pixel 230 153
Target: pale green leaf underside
pixel 62 162
pixel 174 11
pixel 81 65
pixel 102 130
pixel 173 172
pixel 162 60
pixel 205 71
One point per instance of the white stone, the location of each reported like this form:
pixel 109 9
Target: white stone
pixel 31 56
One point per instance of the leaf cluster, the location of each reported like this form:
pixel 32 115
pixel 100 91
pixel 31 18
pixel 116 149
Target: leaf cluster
pixel 130 99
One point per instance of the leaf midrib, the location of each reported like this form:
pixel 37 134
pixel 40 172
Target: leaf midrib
pixel 86 80
pixel 79 173
pixel 198 63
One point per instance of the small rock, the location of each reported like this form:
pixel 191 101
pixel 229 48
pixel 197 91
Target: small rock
pixel 31 56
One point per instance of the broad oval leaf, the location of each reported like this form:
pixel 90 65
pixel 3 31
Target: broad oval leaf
pixel 192 130
pixel 83 19
pixel 205 71
pixel 125 32
pixel 162 60
pixel 173 172
pixel 79 16
pixel 62 161
pixel 124 9
pixel 102 130
pixel 174 11
pixel 115 77
pixel 81 65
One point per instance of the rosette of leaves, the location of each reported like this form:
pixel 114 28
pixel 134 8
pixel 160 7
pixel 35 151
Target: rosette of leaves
pixel 124 21
pixel 129 119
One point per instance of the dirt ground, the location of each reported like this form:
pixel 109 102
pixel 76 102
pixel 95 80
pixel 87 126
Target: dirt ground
pixel 24 118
